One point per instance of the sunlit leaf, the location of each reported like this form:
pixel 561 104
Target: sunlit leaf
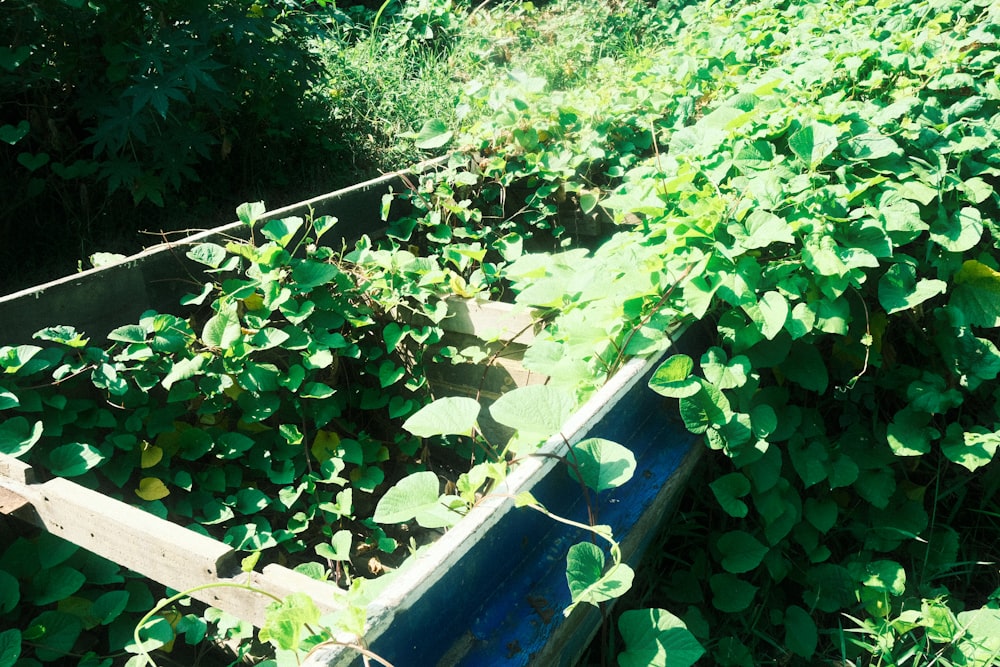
pixel 602 464
pixel 587 579
pixel 656 638
pixel 416 496
pixel 535 409
pixel 673 377
pixel 452 415
pixel 433 134
pixel 152 488
pixel 977 293
pixel 74 459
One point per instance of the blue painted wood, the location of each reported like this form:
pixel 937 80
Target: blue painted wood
pixel 503 604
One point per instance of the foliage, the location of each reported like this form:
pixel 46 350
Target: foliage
pixel 816 181
pixel 826 200
pixel 175 80
pixel 837 209
pixel 109 105
pixel 262 415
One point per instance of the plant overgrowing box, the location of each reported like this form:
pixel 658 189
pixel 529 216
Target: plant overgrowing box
pixel 266 413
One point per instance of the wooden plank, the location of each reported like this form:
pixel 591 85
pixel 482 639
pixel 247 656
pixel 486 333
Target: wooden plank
pixel 16 469
pixel 129 536
pixel 489 320
pixel 165 552
pixel 278 581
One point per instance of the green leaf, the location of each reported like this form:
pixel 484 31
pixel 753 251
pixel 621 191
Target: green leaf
pixel 972 448
pixel 33 161
pixel 433 134
pixel 977 294
pixel 12 134
pixel 883 575
pixel 741 551
pixel 728 490
pixel 958 232
pixel 822 514
pixel 74 459
pixel 980 644
pixel 909 433
pixel 53 633
pixel 416 496
pixel 656 638
pixel 814 142
pixel 64 335
pixel 602 464
pixel 872 145
pixel 731 594
pixel 899 289
pixel 801 635
pixel 323 224
pixel 10 647
pixel 805 367
pixel 673 377
pixel 184 369
pixel 282 231
pixel 769 313
pixel 310 273
pixel 723 373
pixel 54 584
pixel 209 254
pixel 902 218
pixel 222 329
pixel 10 592
pixel 249 212
pixel 199 298
pixel 452 415
pixel 339 547
pixel 129 333
pixel 761 229
pixel 251 500
pixel 18 435
pixel 285 622
pixel 109 606
pixel 708 407
pixel 13 359
pixel 588 582
pixel 538 410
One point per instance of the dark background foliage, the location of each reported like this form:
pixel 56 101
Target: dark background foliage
pixel 118 116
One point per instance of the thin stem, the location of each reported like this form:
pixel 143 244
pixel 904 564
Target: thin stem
pixel 645 320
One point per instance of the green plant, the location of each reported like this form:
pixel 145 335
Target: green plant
pixel 266 415
pixel 168 96
pixel 839 212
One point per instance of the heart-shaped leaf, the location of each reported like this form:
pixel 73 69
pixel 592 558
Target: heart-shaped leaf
pixel 656 638
pixel 673 377
pixel 452 415
pixel 536 409
pixel 602 464
pixel 433 134
pixel 33 162
pixel 74 459
pixel 416 496
pixel 152 488
pixel 13 134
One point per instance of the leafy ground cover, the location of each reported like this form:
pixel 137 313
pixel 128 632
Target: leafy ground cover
pixel 180 113
pixel 817 182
